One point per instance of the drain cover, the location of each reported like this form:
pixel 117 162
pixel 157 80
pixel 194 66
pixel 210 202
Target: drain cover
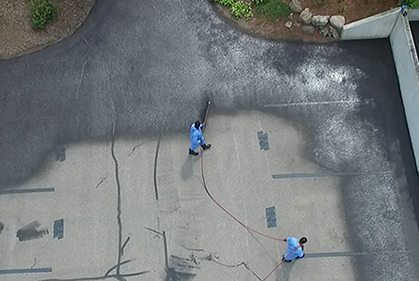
pixel 271 217
pixel 59 228
pixel 263 140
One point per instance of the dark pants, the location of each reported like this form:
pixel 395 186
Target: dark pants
pixel 285 260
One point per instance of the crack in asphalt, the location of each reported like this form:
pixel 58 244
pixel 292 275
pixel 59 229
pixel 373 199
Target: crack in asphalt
pixel 156 158
pixel 156 192
pixel 116 276
pixel 38 255
pixel 100 182
pixel 166 258
pixel 118 188
pixel 192 249
pixel 134 148
pixel 213 258
pixel 155 231
pixel 34 263
pixel 124 245
pixel 172 211
pixel 115 266
pixel 234 266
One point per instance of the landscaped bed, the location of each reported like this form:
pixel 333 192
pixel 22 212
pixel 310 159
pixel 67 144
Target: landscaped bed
pixel 275 19
pixel 19 34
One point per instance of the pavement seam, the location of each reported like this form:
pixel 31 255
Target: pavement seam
pixel 322 175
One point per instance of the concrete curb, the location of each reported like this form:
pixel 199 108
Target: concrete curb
pixel 393 25
pixel 414 15
pixel 407 66
pixel 378 26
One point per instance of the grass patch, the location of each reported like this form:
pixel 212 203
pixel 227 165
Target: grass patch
pixel 273 9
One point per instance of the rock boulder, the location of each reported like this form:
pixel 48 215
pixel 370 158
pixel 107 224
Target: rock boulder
pixel 305 16
pixel 295 6
pixel 288 24
pixel 337 22
pixel 320 20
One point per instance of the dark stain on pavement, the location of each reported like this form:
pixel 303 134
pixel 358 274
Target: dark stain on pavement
pixel 60 153
pixel 31 231
pixel 173 275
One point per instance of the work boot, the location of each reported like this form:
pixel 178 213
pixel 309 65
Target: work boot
pixel 205 146
pixel 284 259
pixel 191 152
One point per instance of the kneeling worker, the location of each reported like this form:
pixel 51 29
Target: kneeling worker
pixel 295 249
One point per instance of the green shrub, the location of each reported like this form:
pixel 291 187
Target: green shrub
pixel 227 3
pixel 42 12
pixel 412 3
pixel 273 9
pixel 241 9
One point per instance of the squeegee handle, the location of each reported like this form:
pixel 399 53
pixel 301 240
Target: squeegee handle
pixel 207 112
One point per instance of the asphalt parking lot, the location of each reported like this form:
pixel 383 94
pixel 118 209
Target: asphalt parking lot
pixel 97 182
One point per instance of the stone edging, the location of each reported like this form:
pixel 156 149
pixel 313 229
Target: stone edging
pixel 328 25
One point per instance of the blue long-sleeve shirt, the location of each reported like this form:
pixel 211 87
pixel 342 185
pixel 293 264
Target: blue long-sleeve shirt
pixel 294 249
pixel 196 137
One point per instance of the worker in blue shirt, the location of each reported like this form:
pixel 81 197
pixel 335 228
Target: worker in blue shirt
pixel 295 249
pixel 196 138
pixel 404 10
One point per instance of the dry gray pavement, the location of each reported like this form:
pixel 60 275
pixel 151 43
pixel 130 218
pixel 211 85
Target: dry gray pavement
pixel 338 166
pixel 237 173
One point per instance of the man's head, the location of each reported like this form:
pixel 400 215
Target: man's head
pixel 197 124
pixel 303 240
